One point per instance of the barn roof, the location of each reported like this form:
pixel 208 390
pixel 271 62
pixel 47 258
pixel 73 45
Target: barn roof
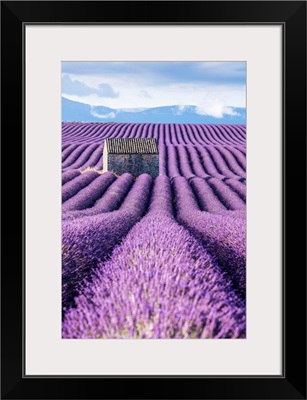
pixel 131 146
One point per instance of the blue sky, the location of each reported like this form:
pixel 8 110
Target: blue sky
pixel 215 88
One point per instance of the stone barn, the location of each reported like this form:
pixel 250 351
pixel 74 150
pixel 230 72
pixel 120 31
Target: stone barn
pixel 134 155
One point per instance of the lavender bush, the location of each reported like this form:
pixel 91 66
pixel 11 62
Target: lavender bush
pixel 196 164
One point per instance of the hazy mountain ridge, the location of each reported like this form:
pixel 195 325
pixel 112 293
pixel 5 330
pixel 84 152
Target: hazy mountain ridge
pixel 75 111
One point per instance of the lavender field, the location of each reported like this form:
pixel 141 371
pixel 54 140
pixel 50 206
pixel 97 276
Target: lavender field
pixel 155 258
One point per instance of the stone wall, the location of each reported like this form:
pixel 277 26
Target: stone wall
pixel 135 164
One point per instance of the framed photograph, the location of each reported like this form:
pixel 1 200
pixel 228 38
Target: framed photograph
pixel 162 151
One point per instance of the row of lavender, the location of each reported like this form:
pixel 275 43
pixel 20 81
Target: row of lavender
pixel 181 160
pixel 89 133
pixel 162 234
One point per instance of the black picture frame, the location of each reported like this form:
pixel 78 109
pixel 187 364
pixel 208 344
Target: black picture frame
pixel 292 16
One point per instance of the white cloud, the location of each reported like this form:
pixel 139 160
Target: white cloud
pixel 216 106
pixel 79 88
pixel 180 109
pixel 110 115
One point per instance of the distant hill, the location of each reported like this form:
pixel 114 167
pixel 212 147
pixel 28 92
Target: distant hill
pixel 75 111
